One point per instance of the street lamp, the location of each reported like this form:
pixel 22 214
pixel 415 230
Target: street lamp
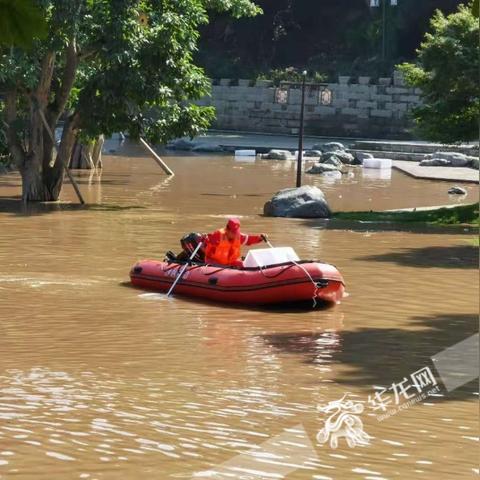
pixel 376 3
pixel 300 133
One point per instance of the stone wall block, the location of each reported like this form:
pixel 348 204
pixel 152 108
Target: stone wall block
pixel 263 83
pixel 350 111
pixel 324 110
pixel 409 98
pixel 366 104
pixel 397 90
pixel 381 98
pixel 339 102
pixel 381 113
pixel 385 81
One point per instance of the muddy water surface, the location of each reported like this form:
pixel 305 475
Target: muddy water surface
pixel 102 381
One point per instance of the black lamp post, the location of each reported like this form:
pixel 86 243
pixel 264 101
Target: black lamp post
pixel 300 133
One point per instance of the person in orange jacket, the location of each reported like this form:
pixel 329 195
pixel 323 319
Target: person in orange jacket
pixel 223 246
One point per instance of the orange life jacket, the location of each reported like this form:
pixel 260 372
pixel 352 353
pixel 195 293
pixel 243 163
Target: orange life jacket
pixel 226 252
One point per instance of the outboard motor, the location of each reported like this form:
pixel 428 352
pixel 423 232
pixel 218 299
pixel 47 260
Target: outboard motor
pixel 189 243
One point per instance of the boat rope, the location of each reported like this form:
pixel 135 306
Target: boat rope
pixel 215 271
pixel 315 285
pixel 277 274
pixel 294 263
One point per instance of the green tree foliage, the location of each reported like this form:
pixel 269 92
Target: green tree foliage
pixel 329 36
pixel 447 71
pixel 476 8
pixel 105 66
pixel 20 22
pixel 291 74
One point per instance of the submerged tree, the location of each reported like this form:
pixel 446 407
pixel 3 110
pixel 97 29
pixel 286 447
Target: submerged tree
pixel 447 71
pixel 105 66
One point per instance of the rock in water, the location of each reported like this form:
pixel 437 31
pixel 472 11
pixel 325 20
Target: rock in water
pixel 361 156
pixel 455 159
pixel 332 160
pixel 312 153
pixel 344 157
pixel 322 168
pixel 456 190
pixel 303 202
pixel 329 147
pixel 435 162
pixel 278 155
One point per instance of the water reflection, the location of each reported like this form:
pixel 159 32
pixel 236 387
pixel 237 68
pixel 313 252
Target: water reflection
pixel 317 347
pixel 376 174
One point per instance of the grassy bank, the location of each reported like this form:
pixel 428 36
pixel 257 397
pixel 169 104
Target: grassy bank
pixel 461 215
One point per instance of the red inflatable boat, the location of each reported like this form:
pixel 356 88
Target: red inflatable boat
pixel 281 283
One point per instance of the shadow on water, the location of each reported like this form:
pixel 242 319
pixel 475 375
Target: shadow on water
pixel 455 256
pixel 15 206
pixel 382 356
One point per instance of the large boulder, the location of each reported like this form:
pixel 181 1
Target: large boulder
pixel 322 168
pixel 344 157
pixel 455 159
pixel 329 147
pixel 360 156
pixel 303 202
pixel 334 158
pixel 278 155
pixel 435 162
pixel 312 153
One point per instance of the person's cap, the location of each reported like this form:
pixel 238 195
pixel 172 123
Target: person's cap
pixel 233 224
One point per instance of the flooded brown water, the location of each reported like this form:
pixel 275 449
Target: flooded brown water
pixel 102 381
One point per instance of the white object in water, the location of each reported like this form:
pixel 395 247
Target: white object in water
pixel 304 154
pixel 262 257
pixel 377 163
pixel 245 153
pixel 331 177
pixel 377 173
pixel 244 159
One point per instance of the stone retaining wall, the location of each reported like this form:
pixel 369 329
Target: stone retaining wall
pixel 359 107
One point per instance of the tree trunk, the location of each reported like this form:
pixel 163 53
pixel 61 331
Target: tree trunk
pixel 38 184
pixel 87 156
pixel 42 174
pixel 76 155
pixel 53 172
pixel 32 185
pixel 97 152
pixel 52 178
